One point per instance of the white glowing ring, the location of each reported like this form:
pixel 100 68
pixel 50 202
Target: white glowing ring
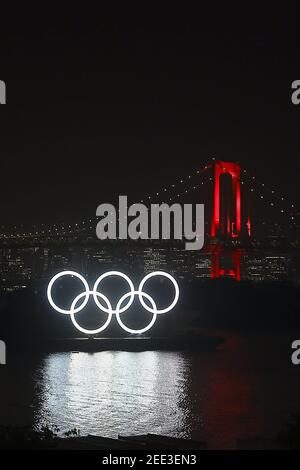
pixel 126 328
pixel 176 297
pixel 68 273
pixel 114 273
pixel 84 330
pixel 108 309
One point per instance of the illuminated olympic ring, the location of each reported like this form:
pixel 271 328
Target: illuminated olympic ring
pixel 108 308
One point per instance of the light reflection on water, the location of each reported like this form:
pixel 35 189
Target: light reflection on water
pixel 112 393
pixel 246 389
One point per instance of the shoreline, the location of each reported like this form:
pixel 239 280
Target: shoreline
pixel 203 342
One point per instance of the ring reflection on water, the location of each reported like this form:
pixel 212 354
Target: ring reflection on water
pixel 248 388
pixel 115 392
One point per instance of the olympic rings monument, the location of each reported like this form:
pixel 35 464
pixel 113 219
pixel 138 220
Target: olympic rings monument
pixel 123 304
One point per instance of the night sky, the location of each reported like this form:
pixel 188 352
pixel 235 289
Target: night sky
pixel 101 104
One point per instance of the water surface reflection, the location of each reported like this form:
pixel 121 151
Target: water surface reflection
pixel 247 388
pixel 115 392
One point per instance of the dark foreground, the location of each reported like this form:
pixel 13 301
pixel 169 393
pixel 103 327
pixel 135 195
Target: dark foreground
pixel 47 439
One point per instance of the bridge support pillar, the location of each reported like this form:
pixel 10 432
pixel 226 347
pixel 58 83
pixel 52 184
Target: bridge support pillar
pixel 232 227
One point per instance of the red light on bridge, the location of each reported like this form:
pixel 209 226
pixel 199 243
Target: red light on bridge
pixel 233 227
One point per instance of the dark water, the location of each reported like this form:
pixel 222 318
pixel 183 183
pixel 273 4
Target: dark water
pixel 247 388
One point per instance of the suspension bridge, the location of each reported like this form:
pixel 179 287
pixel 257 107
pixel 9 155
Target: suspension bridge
pixel 240 210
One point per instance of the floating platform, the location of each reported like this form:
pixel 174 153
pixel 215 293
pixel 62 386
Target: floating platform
pixel 131 343
pixel 199 343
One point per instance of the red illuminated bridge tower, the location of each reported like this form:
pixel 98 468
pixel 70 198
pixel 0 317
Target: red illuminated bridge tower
pixel 227 216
